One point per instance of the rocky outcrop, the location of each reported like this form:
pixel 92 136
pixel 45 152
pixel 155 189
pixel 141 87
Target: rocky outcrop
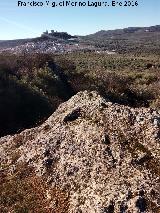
pixel 105 156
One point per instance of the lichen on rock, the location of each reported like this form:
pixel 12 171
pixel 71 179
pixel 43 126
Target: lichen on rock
pixel 103 155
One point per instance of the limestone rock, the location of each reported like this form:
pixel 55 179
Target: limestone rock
pixel 106 156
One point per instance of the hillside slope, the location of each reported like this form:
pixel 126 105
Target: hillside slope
pixel 144 40
pixel 128 32
pixel 132 39
pixel 89 156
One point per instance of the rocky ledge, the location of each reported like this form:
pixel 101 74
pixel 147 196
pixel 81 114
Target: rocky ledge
pixel 104 157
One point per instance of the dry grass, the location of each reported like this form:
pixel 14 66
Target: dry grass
pixel 24 192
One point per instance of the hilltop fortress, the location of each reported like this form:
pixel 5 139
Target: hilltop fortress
pixel 62 35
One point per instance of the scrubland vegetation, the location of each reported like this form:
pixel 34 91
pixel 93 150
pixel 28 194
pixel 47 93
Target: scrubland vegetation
pixel 32 86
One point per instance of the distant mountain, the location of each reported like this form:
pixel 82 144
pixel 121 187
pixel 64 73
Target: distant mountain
pixel 127 39
pixel 45 36
pixel 13 43
pixel 123 33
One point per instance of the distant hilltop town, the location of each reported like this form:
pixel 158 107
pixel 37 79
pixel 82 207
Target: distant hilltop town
pixel 132 39
pixel 48 42
pixel 61 35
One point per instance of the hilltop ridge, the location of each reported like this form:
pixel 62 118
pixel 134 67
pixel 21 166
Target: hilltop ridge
pixel 131 39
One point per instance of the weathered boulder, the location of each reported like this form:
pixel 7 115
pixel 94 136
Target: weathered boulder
pixel 104 155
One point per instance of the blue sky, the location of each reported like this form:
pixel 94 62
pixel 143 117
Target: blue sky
pixel 18 22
